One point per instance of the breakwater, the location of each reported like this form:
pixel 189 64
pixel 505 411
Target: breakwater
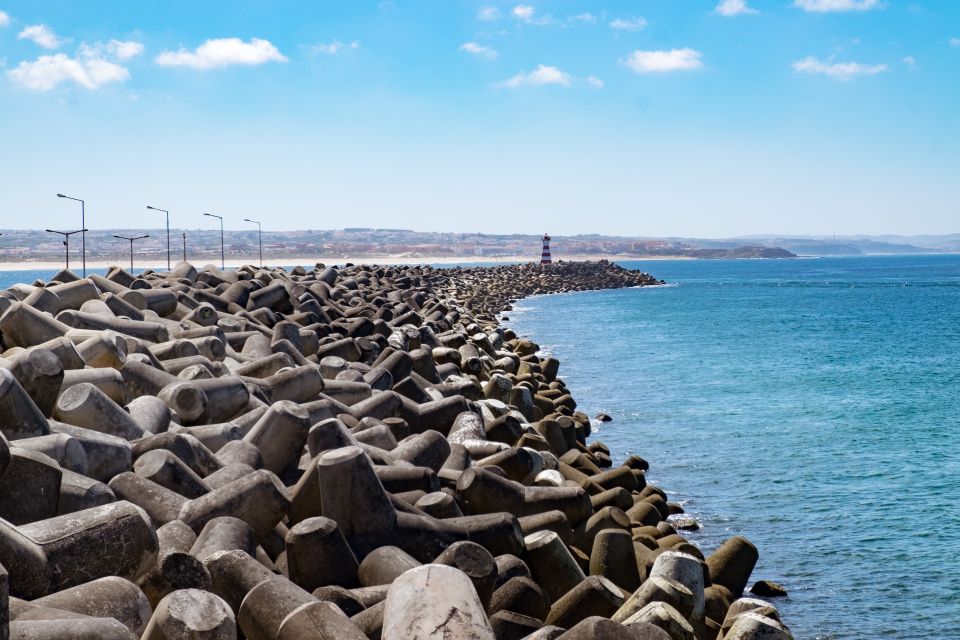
pixel 353 453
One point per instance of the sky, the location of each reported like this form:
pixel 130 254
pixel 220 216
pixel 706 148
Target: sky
pixel 696 118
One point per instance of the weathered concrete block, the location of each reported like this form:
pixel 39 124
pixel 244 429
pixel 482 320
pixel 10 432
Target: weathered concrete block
pixel 434 601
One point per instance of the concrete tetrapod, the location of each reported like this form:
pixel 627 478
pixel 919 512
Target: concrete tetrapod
pixel 109 597
pixel 70 629
pixel 732 563
pixel 49 555
pixel 191 614
pixel 753 626
pixel 551 564
pixel 175 568
pixel 318 621
pixel 688 571
pixel 21 416
pixel 318 555
pixel 434 602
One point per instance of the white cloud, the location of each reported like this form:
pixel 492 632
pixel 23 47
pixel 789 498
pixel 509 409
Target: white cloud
pixel 41 35
pixel 488 14
pixel 585 17
pixel 910 61
pixel 49 72
pixel 734 8
pixel 542 75
pixel 663 61
pixel 838 70
pixel 828 6
pixel 523 12
pixel 125 49
pixel 955 42
pixel 223 52
pixel 119 49
pixel 4 19
pixel 333 48
pixel 479 50
pixel 628 24
pixel 594 81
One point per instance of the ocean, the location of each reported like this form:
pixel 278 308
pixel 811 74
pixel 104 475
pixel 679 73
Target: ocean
pixel 811 405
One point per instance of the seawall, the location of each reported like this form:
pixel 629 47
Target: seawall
pixel 357 452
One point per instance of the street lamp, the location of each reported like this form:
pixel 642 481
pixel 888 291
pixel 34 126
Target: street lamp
pixel 168 232
pixel 222 264
pixel 83 229
pixel 131 246
pixel 184 246
pixel 259 237
pixel 66 242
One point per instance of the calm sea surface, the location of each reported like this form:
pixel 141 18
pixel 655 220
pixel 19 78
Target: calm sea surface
pixel 810 405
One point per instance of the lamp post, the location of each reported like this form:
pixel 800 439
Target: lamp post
pixel 131 239
pixel 184 246
pixel 83 229
pixel 212 215
pixel 168 232
pixel 259 237
pixel 66 242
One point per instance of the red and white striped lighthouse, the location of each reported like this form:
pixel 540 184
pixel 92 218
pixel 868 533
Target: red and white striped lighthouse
pixel 545 254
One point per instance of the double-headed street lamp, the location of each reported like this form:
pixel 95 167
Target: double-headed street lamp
pixel 222 263
pixel 259 237
pixel 131 239
pixel 83 229
pixel 168 232
pixel 66 242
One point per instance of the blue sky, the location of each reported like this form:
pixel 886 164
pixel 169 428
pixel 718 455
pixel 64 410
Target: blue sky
pixel 646 117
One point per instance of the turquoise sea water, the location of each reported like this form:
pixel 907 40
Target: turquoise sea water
pixel 811 405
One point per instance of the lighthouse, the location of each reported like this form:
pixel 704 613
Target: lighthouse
pixel 545 254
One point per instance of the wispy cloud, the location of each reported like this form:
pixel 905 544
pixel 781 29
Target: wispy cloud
pixel 523 12
pixel 910 61
pixel 955 42
pixel 480 50
pixel 527 14
pixel 830 6
pixel 42 36
pixel 50 71
pixel 488 14
pixel 628 24
pixel 731 8
pixel 842 71
pixel 542 75
pixel 332 48
pixel 545 75
pixel 119 49
pixel 223 52
pixel 665 61
pixel 4 19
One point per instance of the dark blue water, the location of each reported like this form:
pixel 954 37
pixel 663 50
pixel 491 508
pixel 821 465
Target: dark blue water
pixel 810 405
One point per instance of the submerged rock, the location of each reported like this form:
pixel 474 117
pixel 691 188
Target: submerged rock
pixel 768 589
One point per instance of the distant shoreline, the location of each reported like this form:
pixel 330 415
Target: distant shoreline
pixel 310 261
